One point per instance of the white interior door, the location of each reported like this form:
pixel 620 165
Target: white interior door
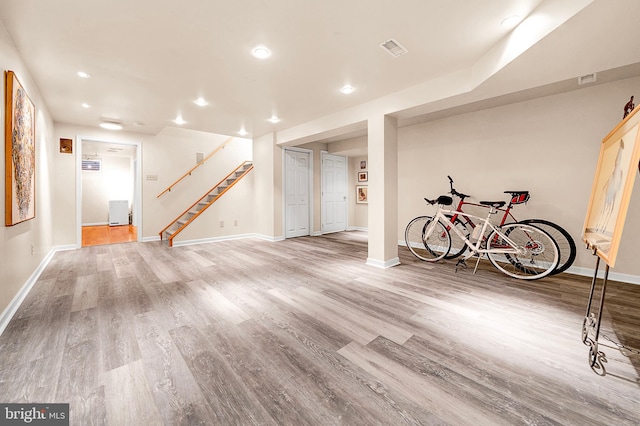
pixel 297 206
pixel 334 193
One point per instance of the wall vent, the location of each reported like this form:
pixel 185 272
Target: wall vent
pixel 586 79
pixel 394 48
pixel 91 165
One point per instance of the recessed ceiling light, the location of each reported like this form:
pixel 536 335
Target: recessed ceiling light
pixel 179 120
pixel 261 52
pixel 110 125
pixel 242 132
pixel 274 119
pixel 83 74
pixel 510 21
pixel 86 105
pixel 347 89
pixel 201 102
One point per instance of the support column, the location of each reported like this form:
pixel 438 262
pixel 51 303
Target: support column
pixel 383 192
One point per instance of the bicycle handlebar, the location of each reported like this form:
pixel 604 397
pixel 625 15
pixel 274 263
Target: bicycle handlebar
pixel 454 192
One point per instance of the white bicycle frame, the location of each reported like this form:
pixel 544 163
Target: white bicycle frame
pixel 475 248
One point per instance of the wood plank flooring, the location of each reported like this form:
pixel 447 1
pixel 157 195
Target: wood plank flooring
pixel 105 234
pixel 302 332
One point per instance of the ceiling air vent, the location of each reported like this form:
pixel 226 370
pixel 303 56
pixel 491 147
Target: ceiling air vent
pixel 91 165
pixel 393 47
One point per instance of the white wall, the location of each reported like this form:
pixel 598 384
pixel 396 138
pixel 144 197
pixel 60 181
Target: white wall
pixel 358 212
pixel 114 181
pixel 25 245
pixel 172 153
pixel 167 155
pixel 548 146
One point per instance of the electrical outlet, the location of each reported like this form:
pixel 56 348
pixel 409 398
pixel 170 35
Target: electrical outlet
pixel 33 249
pixel 222 224
pixel 235 222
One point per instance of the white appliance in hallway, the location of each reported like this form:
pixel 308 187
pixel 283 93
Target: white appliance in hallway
pixel 118 212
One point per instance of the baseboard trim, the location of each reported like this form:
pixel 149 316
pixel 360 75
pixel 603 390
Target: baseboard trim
pixel 588 272
pixel 357 228
pixel 613 276
pixel 150 239
pixel 17 300
pixel 383 264
pixel 268 237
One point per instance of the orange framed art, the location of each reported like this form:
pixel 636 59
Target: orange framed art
pixel 612 187
pixel 20 153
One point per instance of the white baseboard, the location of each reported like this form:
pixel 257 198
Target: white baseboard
pixel 150 239
pixel 588 272
pixel 95 224
pixel 211 240
pixel 383 264
pixel 17 300
pixel 357 228
pixel 268 238
pixel 613 276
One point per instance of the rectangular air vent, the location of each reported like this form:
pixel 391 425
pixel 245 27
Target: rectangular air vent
pixel 393 47
pixel 586 79
pixel 91 165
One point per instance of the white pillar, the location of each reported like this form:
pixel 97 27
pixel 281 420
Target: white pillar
pixel 383 191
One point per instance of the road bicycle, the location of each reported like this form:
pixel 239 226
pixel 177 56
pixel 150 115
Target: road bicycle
pixel 518 250
pixel 566 244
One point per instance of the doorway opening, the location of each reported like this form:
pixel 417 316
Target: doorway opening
pixel 108 191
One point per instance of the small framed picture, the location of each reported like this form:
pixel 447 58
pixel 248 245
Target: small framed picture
pixel 362 194
pixel 363 165
pixel 66 146
pixel 363 176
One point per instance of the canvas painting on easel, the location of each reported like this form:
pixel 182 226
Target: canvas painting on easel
pixel 612 187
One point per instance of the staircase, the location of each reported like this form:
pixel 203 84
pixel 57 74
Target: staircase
pixel 189 215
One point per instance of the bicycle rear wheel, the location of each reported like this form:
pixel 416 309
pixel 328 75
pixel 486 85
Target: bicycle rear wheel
pixel 537 254
pixel 566 244
pixel 426 239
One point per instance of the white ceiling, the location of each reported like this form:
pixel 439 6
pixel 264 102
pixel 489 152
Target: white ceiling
pixel 150 59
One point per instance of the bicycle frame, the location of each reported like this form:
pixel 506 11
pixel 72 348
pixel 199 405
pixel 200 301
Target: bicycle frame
pixel 459 212
pixel 475 248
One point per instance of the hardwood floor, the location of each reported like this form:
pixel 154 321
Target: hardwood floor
pixel 105 234
pixel 302 332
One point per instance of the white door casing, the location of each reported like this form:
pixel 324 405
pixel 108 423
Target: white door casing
pixel 334 193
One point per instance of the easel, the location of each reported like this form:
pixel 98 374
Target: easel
pixel 591 323
pixel 592 320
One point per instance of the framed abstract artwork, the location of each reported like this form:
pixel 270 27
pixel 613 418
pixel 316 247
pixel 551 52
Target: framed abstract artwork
pixel 362 194
pixel 612 187
pixel 20 153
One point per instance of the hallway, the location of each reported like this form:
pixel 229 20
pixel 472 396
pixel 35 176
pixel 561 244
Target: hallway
pixel 105 234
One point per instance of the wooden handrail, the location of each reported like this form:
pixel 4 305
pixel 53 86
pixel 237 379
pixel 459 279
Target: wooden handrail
pixel 195 167
pixel 200 199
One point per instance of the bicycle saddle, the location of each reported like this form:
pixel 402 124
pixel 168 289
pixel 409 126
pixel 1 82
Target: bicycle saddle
pixel 445 200
pixel 495 204
pixel 518 197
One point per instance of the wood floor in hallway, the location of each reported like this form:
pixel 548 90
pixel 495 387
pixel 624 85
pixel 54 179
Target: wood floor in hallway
pixel 303 332
pixel 105 234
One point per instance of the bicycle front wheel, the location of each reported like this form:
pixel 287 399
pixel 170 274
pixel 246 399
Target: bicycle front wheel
pixel 537 253
pixel 427 239
pixel 566 245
